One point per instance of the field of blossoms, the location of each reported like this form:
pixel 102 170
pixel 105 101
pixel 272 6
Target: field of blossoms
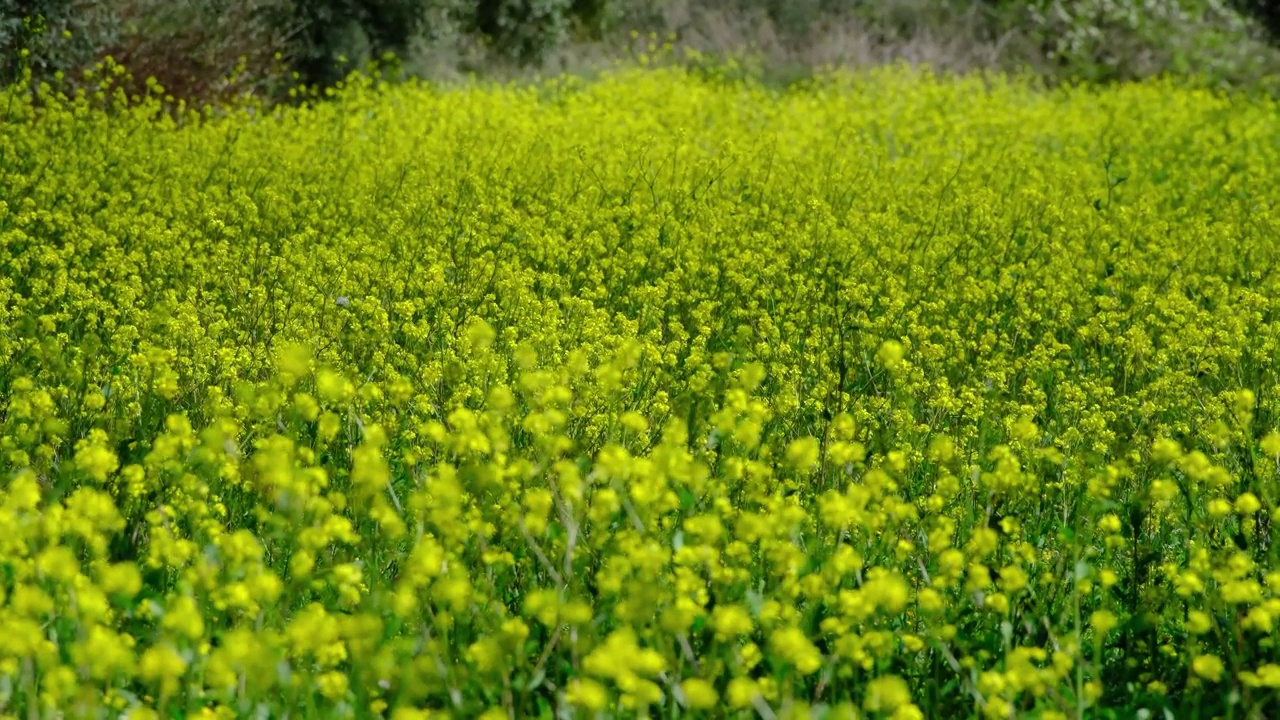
pixel 664 394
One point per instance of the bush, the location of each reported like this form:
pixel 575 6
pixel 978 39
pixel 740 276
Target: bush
pixel 212 50
pixel 1103 40
pixel 194 45
pixel 50 36
pixel 524 29
pixel 1265 12
pixel 336 36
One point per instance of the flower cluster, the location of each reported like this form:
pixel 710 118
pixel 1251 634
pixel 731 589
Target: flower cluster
pixel 887 395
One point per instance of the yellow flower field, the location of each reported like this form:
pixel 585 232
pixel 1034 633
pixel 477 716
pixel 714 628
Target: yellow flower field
pixel 664 394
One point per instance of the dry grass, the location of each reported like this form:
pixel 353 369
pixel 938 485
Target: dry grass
pixel 217 50
pixel 843 41
pixel 950 40
pixel 961 36
pixel 214 50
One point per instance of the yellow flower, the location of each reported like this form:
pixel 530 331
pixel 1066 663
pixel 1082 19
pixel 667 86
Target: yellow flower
pixel 121 579
pixel 742 693
pixel 1107 577
pixel 997 603
pixel 1219 507
pixel 333 685
pixel 794 646
pixel 1109 523
pixel 405 713
pixel 1270 444
pixel 731 621
pixel 1259 618
pixel 699 694
pixel 587 694
pixel 314 418
pixel 909 711
pixel 293 361
pixel 1209 667
pixel 1103 621
pixel 886 694
pixel 1013 578
pixel 888 589
pixel 1092 691
pixel 104 653
pixel 803 453
pixel 891 354
pixel 1248 504
pixel 94 458
pixel 332 386
pixel 1268 676
pixel 487 654
pixel 930 601
pixel 183 618
pixel 161 664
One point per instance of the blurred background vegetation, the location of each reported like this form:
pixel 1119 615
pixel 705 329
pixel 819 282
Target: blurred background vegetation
pixel 216 50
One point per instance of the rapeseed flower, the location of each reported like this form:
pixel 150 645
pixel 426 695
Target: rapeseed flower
pixel 882 391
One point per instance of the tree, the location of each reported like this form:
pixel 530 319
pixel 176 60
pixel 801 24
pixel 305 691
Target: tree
pixel 326 27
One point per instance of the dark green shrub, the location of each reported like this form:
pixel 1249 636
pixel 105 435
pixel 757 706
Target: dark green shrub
pixel 525 30
pixel 192 46
pixel 1266 13
pixel 333 34
pixel 1105 40
pixel 49 36
pixel 209 50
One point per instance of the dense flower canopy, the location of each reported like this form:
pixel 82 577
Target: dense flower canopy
pixel 664 393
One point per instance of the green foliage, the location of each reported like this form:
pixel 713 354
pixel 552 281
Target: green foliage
pixel 791 17
pixel 191 46
pixel 523 31
pixel 211 50
pixel 1102 40
pixel 337 35
pixel 526 30
pixel 1265 12
pixel 50 36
